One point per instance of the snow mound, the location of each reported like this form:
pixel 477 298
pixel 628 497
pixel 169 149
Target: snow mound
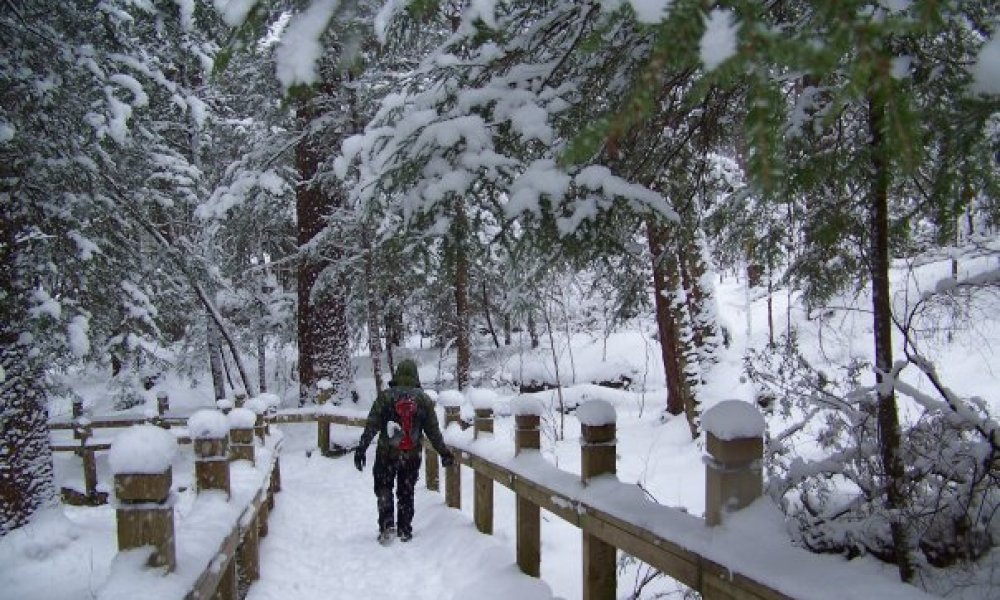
pixel 595 413
pixel 242 418
pixel 257 404
pixel 482 398
pixel 527 406
pixel 270 400
pixel 208 424
pixel 451 398
pixel 733 419
pixel 142 449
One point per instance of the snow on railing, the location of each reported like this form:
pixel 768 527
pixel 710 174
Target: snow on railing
pixel 613 515
pixel 195 555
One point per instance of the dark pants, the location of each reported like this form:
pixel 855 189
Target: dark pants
pixel 400 471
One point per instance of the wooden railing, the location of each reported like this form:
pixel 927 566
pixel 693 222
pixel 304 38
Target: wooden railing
pixel 589 501
pixel 603 532
pixel 220 531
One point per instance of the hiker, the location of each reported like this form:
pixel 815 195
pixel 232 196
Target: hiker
pixel 400 416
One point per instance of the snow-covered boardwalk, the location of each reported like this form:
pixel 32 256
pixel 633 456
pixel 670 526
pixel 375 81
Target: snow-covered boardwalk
pixel 322 544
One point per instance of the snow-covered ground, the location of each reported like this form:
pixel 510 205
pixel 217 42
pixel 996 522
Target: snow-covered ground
pixel 322 540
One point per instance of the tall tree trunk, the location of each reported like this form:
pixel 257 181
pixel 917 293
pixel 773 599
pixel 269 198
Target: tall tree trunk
pixel 215 359
pixel 262 362
pixel 324 340
pixel 664 284
pixel 374 316
pixel 888 417
pixel 463 348
pixel 489 320
pixel 533 330
pixel 26 477
pixel 310 208
pixel 506 329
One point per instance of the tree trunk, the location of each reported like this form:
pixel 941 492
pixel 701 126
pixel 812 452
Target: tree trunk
pixel 26 476
pixel 215 360
pixel 374 317
pixel 532 330
pixel 323 336
pixel 489 320
pixel 460 229
pixel 262 362
pixel 664 284
pixel 506 329
pixel 888 417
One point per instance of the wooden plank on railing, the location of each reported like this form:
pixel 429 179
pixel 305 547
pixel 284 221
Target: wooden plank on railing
pixel 675 561
pixel 208 581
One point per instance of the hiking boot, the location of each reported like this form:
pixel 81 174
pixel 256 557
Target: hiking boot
pixel 385 536
pixel 405 536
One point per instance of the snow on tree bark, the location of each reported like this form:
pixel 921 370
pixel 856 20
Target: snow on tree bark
pixel 663 287
pixel 26 477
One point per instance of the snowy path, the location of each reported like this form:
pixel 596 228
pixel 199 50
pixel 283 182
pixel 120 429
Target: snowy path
pixel 321 544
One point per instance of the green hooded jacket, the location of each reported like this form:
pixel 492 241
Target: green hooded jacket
pixel 405 382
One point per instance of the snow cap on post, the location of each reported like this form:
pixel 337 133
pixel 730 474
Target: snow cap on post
pixel 451 398
pixel 257 404
pixel 733 420
pixel 145 449
pixel 270 400
pixel 595 413
pixel 242 418
pixel 525 406
pixel 482 399
pixel 208 425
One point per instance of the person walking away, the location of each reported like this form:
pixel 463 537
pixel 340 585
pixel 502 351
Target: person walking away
pixel 401 416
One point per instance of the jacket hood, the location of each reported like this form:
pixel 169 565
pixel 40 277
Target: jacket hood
pixel 406 374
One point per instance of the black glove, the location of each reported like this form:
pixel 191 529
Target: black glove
pixel 447 460
pixel 359 459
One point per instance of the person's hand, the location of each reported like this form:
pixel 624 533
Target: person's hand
pixel 359 459
pixel 447 460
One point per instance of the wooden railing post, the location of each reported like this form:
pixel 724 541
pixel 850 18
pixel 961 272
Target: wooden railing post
pixel 259 407
pixel 482 485
pixel 209 430
pixel 733 470
pixel 323 434
pixel 597 422
pixel 527 438
pixel 452 474
pixel 229 583
pixel 162 403
pixel 79 421
pixel 248 552
pixel 140 460
pixel 241 424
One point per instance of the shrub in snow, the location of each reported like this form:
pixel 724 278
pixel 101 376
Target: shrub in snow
pixel 242 418
pixel 142 449
pixel 836 495
pixel 208 424
pixel 224 403
pixel 451 398
pixel 733 419
pixel 594 413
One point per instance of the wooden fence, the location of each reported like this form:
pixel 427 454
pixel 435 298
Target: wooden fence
pixel 222 553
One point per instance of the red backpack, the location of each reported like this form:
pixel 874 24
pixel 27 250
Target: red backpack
pixel 406 410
